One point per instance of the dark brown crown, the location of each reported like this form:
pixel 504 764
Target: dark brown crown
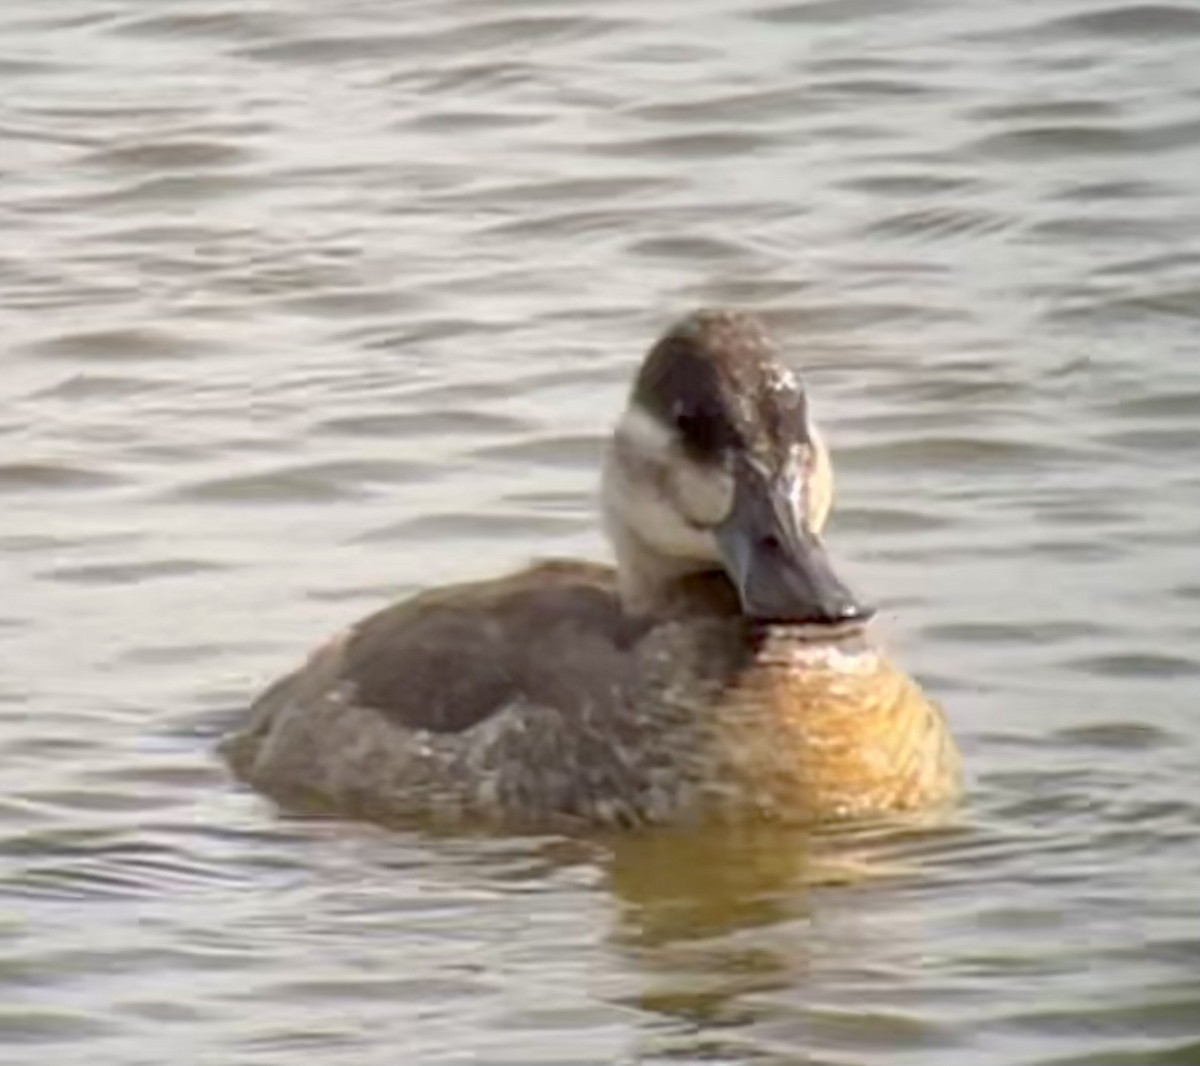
pixel 717 379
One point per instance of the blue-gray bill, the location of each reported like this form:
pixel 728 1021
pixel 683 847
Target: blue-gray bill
pixel 778 564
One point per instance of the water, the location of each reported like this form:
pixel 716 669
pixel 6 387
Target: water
pixel 305 306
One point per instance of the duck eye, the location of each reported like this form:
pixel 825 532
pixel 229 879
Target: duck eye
pixel 705 435
pixel 693 430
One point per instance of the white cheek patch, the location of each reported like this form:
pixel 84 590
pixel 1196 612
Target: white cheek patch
pixel 642 438
pixel 703 494
pixel 819 497
pixel 660 495
pixel 661 526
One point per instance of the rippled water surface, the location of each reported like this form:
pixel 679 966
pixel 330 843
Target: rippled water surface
pixel 306 305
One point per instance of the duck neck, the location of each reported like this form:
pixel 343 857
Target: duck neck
pixel 648 583
pixel 655 586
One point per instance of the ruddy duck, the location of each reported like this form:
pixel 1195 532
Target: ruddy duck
pixel 720 672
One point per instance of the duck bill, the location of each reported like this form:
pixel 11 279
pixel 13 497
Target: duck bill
pixel 778 564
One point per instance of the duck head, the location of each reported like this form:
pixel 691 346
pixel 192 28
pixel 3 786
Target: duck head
pixel 716 464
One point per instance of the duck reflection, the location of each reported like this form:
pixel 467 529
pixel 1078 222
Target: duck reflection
pixel 714 922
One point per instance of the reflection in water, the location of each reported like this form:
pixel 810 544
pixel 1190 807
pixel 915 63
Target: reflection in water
pixel 307 305
pixel 708 919
pixel 714 921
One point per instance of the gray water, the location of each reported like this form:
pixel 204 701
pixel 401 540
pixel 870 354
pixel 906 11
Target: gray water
pixel 305 306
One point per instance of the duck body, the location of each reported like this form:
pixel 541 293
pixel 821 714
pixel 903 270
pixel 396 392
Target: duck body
pixel 534 700
pixel 720 671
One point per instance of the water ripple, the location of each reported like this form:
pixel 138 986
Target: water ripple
pixel 306 306
pixel 1128 21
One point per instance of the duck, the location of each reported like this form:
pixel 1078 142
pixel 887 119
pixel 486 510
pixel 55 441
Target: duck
pixel 721 672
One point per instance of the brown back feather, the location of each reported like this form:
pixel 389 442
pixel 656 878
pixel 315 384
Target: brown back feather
pixel 553 635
